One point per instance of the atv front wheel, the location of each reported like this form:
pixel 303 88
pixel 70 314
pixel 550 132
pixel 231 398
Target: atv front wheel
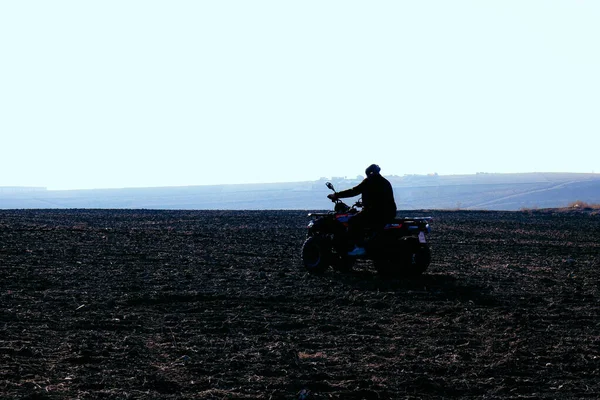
pixel 315 255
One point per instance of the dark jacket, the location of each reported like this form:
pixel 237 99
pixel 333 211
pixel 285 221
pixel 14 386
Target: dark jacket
pixel 377 196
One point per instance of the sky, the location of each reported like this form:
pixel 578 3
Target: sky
pixel 113 94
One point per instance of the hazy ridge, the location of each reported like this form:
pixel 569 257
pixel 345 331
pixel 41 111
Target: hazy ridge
pixel 484 191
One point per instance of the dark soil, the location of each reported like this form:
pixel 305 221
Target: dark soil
pixel 124 304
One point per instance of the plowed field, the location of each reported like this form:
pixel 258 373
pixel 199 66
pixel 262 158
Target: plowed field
pixel 124 304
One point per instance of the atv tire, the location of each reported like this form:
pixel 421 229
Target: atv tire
pixel 418 258
pixel 315 255
pixel 411 261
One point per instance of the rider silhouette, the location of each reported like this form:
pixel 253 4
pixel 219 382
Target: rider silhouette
pixel 378 202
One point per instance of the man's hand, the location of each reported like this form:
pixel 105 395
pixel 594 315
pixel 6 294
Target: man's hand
pixel 332 197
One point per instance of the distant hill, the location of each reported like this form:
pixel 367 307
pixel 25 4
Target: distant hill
pixel 477 192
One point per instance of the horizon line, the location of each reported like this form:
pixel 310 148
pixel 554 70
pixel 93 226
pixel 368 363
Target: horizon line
pixel 333 178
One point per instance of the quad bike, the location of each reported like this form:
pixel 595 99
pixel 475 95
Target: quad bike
pixel 398 248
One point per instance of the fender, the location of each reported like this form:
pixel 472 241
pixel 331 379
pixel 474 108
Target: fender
pixel 326 225
pixel 316 225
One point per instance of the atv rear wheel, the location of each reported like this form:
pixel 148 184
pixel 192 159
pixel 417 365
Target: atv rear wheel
pixel 411 260
pixel 416 258
pixel 421 259
pixel 315 255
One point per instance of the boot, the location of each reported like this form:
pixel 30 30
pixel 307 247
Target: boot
pixel 357 252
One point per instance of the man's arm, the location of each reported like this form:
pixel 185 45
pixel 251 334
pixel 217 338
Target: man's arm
pixel 355 191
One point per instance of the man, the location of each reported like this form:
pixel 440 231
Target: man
pixel 379 206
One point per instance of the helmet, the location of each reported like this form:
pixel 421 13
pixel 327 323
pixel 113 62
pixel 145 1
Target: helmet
pixel 372 169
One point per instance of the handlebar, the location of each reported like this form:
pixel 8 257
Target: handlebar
pixel 339 205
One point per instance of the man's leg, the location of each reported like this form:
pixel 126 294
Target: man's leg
pixel 356 226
